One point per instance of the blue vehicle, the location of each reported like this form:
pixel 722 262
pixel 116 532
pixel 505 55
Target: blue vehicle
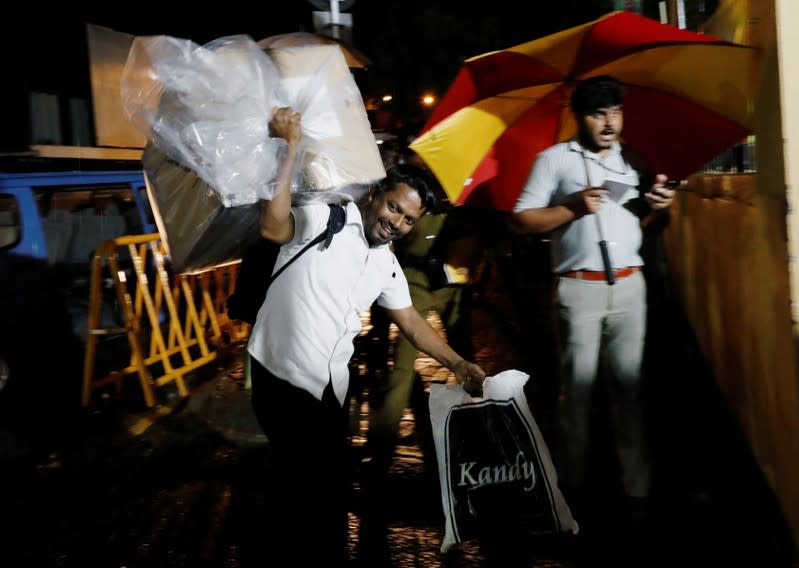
pixel 50 225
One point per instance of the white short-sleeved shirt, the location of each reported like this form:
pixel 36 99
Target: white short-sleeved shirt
pixel 558 173
pixel 305 328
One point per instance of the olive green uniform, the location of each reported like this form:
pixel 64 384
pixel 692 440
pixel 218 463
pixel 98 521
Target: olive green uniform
pixel 421 253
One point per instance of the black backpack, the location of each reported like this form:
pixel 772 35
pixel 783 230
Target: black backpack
pixel 258 262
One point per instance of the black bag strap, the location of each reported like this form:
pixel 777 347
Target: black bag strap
pixel 335 222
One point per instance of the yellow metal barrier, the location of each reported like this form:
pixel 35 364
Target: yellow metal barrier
pixel 168 335
pixel 210 290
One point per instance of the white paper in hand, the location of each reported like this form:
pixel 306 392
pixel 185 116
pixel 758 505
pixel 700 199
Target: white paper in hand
pixel 619 184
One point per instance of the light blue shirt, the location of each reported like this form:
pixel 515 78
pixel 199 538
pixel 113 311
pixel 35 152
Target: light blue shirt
pixel 563 170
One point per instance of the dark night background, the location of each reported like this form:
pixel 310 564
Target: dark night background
pixel 415 45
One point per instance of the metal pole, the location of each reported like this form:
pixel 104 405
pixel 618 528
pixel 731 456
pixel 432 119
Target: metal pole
pixel 334 18
pixel 610 275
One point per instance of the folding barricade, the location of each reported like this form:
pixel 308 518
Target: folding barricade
pixel 167 334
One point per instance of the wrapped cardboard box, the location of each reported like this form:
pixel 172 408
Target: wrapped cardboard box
pixel 340 148
pixel 199 226
pixel 199 232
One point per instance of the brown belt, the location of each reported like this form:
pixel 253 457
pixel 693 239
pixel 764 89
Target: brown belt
pixel 599 275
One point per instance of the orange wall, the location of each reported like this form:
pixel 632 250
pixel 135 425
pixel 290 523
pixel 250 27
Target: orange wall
pixel 727 246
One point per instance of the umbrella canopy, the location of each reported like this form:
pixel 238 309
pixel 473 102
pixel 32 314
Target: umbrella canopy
pixel 355 59
pixel 689 97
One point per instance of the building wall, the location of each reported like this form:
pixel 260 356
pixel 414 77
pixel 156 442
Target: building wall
pixel 733 246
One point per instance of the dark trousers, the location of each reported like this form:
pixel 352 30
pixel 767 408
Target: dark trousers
pixel 309 446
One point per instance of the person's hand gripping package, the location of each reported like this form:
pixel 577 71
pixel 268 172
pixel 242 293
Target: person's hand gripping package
pixel 470 376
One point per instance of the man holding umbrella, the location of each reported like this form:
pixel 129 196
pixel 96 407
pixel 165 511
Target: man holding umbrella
pixel 585 192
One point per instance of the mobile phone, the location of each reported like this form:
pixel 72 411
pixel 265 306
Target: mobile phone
pixel 672 184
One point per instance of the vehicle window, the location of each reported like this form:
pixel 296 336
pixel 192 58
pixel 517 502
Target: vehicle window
pixel 76 220
pixel 10 228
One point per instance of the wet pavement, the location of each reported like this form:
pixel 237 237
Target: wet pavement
pixel 182 485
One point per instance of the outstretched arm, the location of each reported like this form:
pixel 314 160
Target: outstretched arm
pixel 426 339
pixel 275 220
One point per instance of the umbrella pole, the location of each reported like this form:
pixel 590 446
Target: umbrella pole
pixel 610 276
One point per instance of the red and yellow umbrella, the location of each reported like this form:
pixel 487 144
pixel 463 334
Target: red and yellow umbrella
pixel 689 97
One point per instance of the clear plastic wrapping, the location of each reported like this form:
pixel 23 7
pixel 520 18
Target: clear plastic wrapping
pixel 207 108
pixel 209 158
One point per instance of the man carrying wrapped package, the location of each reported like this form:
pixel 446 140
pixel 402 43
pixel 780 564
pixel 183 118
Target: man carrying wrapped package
pixel 301 342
